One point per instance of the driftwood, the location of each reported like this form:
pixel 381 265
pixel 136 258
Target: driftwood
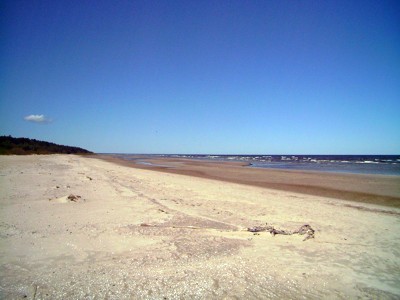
pixel 303 230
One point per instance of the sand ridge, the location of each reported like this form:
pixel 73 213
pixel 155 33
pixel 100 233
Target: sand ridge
pixel 145 234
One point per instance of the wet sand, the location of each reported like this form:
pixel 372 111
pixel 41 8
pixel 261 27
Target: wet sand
pixel 376 189
pixel 138 233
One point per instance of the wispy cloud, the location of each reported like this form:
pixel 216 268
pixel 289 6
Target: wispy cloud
pixel 37 119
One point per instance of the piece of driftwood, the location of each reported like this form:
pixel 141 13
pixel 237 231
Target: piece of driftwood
pixel 303 230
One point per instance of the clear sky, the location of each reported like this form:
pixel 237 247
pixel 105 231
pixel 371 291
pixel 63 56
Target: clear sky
pixel 234 77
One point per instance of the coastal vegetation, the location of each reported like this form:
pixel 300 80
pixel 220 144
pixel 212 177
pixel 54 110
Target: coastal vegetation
pixel 22 146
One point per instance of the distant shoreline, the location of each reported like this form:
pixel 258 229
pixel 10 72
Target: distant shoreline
pixel 347 164
pixel 376 189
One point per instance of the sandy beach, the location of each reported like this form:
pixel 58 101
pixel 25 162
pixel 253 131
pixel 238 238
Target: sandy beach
pixel 75 227
pixel 376 189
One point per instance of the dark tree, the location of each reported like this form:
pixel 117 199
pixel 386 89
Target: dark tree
pixel 21 146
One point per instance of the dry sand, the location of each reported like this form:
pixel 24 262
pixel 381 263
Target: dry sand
pixel 144 234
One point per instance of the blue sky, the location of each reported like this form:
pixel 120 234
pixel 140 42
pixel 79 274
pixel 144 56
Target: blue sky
pixel 243 77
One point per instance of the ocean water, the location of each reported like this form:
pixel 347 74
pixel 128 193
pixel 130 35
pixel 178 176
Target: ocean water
pixel 359 164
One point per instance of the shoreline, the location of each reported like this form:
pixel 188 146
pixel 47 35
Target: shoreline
pixel 324 172
pixel 365 188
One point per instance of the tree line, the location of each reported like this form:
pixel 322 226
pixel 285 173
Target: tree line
pixel 23 146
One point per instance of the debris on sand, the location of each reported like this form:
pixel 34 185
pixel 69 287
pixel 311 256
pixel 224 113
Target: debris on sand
pixel 68 199
pixel 303 230
pixel 73 198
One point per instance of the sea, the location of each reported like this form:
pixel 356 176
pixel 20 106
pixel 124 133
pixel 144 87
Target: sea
pixel 357 164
